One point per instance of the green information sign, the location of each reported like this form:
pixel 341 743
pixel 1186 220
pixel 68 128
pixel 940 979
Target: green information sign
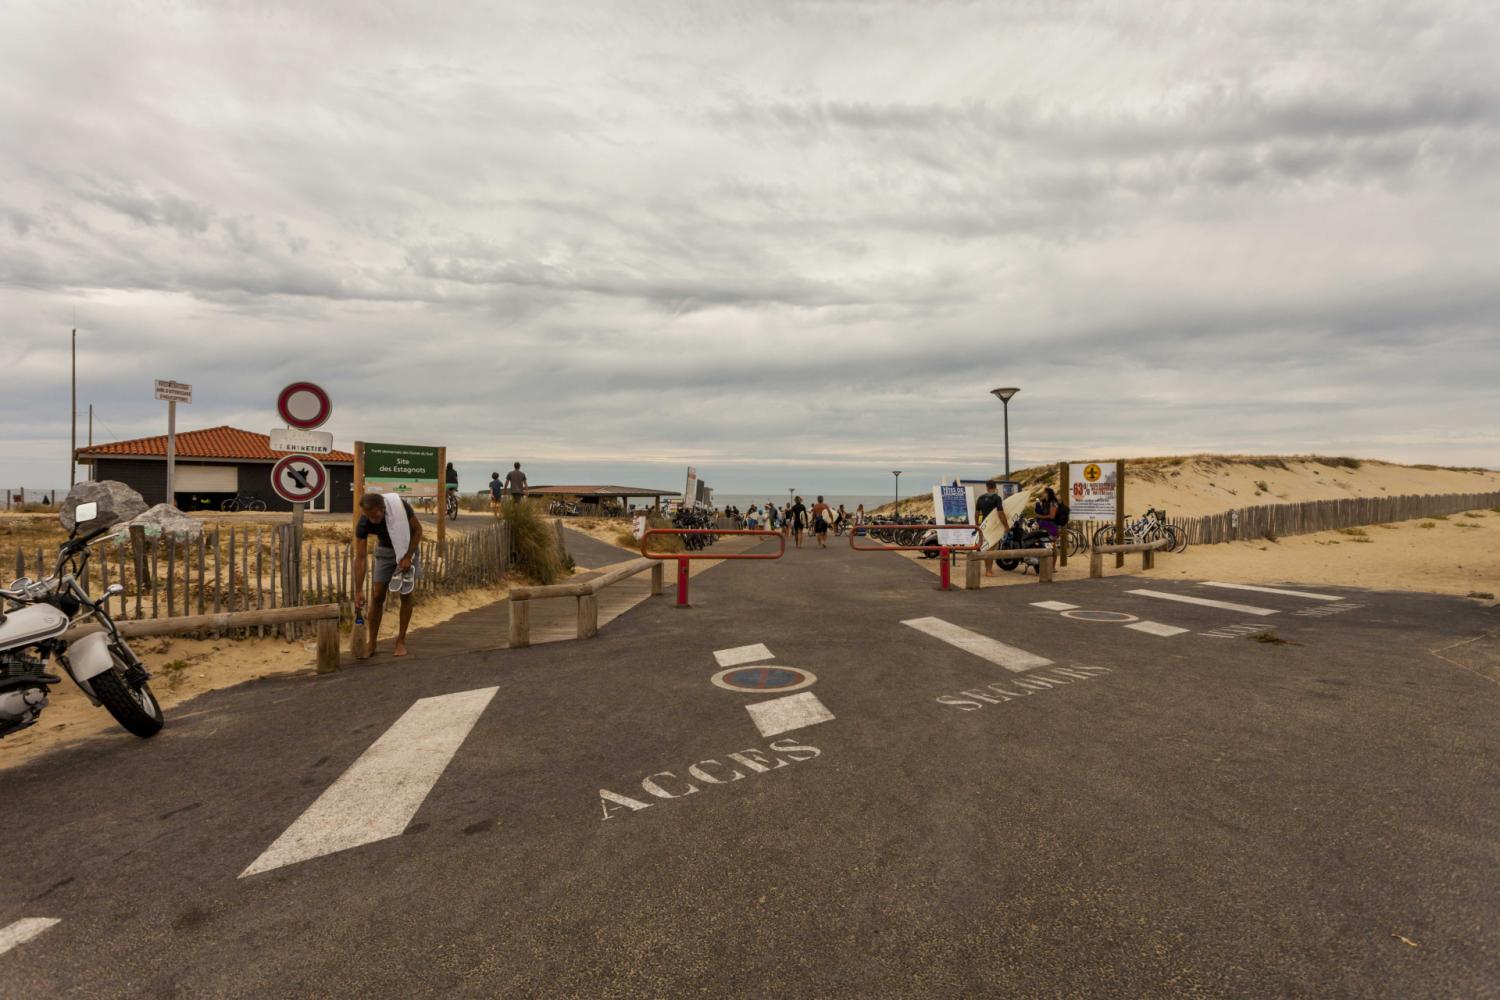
pixel 408 469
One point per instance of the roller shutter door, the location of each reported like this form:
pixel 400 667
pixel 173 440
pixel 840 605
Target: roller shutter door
pixel 207 479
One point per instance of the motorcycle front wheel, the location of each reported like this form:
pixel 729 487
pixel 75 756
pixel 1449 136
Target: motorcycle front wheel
pixel 133 706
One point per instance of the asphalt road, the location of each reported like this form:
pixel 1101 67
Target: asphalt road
pixel 1053 806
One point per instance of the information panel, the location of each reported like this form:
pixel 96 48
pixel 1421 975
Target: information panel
pixel 1092 485
pixel 953 505
pixel 408 469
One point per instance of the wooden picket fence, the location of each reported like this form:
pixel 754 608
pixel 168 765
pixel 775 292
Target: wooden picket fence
pixel 1279 520
pixel 249 569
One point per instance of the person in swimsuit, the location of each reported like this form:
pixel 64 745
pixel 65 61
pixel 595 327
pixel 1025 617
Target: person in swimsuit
pixel 796 520
pixel 822 516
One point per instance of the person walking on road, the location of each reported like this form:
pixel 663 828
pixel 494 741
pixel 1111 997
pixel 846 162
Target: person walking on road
pixel 822 516
pixel 497 491
pixel 840 519
pixel 797 521
pixel 398 536
pixel 990 501
pixel 515 482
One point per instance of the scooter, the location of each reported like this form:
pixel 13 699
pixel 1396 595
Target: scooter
pixel 35 617
pixel 1023 534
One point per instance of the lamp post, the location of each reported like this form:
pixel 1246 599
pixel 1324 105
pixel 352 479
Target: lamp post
pixel 1004 396
pixel 897 474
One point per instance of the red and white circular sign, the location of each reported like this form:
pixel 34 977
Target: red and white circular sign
pixel 304 405
pixel 298 478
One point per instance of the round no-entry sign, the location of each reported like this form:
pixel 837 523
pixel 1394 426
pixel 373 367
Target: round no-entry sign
pixel 304 405
pixel 298 478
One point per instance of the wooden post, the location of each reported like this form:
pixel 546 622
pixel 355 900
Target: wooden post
pixel 972 566
pixel 520 624
pixel 1119 512
pixel 588 615
pixel 359 483
pixel 1063 489
pixel 1148 559
pixel 442 502
pixel 328 645
pixel 1044 567
pixel 1096 564
pixel 293 594
pixel 658 579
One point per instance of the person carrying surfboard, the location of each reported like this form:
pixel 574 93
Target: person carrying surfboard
pixel 822 517
pixel 796 519
pixel 990 505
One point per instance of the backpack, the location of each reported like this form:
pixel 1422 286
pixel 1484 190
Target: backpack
pixel 1062 514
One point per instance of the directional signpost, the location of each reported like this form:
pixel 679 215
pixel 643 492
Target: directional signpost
pixel 173 393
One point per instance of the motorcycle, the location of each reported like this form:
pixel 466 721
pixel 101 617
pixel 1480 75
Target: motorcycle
pixel 1023 534
pixel 35 617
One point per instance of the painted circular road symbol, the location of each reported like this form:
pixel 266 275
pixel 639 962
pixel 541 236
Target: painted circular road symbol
pixel 757 679
pixel 1099 616
pixel 304 405
pixel 298 478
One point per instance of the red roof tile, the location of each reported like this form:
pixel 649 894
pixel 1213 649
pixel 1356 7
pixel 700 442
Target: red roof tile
pixel 216 442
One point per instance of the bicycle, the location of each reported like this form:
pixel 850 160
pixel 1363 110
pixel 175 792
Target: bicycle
pixel 1150 527
pixel 453 505
pixel 243 502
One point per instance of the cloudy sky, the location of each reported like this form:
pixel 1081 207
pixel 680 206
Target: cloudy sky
pixel 771 239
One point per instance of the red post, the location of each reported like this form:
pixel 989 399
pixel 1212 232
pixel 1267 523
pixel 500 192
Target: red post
pixel 682 583
pixel 943 554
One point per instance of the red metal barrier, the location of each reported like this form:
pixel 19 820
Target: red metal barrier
pixel 945 552
pixel 683 558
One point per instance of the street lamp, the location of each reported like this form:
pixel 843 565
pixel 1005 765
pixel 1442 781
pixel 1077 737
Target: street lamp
pixel 897 474
pixel 1004 397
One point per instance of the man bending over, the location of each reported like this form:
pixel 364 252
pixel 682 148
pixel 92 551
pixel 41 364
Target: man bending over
pixel 398 536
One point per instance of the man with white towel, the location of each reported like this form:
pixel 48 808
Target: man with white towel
pixel 390 519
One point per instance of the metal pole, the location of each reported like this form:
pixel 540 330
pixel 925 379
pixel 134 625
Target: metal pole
pixel 91 425
pixel 73 441
pixel 171 451
pixel 1005 405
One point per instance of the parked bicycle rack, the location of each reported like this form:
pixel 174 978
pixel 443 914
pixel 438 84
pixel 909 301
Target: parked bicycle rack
pixel 684 558
pixel 945 552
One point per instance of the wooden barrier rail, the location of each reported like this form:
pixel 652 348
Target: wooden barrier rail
pixel 1146 549
pixel 586 592
pixel 1045 560
pixel 325 615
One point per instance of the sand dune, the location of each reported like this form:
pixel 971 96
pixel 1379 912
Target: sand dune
pixel 1195 485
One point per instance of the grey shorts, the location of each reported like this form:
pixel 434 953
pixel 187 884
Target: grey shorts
pixel 385 564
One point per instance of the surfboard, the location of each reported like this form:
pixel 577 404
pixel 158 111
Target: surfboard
pixel 991 530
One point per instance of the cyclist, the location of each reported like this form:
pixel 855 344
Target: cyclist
pixel 451 476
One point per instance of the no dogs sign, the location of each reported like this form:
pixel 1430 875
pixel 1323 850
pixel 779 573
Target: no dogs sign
pixel 299 478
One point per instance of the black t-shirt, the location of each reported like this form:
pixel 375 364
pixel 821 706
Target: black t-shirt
pixel 986 503
pixel 799 514
pixel 364 529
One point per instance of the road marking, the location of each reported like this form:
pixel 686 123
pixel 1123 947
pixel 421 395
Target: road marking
pixel 780 715
pixel 1272 590
pixel 743 654
pixel 23 930
pixel 382 790
pixel 982 646
pixel 1204 602
pixel 1157 628
pixel 1054 605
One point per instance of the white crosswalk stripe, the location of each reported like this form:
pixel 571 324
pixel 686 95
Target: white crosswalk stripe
pixel 23 930
pixel 382 790
pixel 982 646
pixel 1244 609
pixel 1157 628
pixel 1271 590
pixel 1054 605
pixel 780 715
pixel 743 654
